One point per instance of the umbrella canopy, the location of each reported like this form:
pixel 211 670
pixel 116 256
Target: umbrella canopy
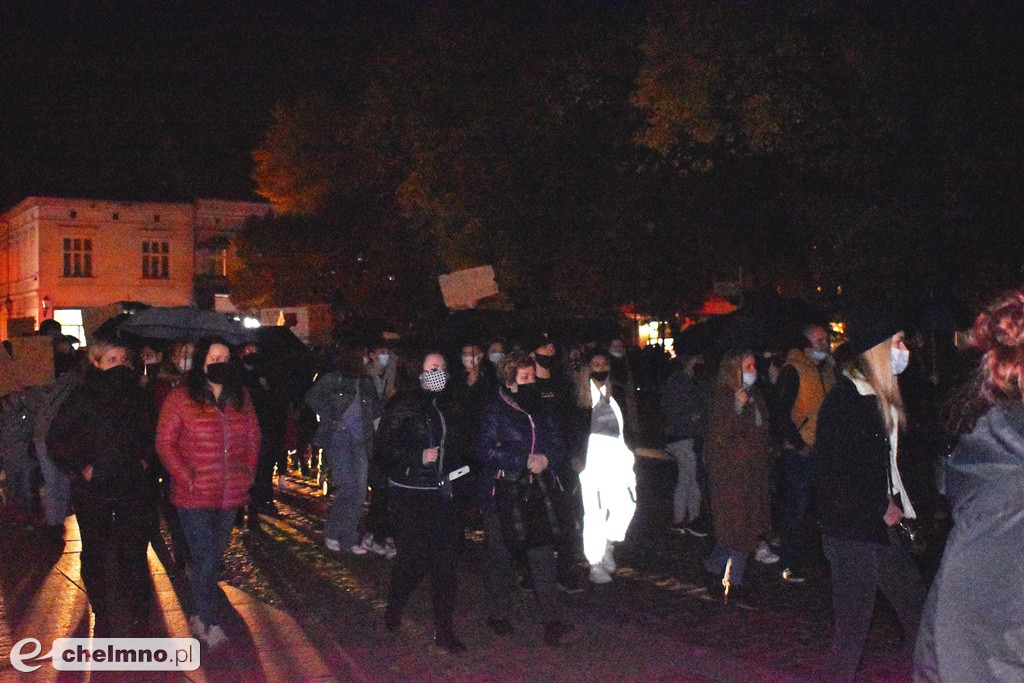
pixel 943 315
pixel 185 322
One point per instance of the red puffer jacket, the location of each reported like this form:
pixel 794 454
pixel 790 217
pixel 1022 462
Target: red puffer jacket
pixel 210 454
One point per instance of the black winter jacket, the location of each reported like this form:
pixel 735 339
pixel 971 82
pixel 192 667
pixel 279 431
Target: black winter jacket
pixel 109 423
pixel 851 459
pixel 412 422
pixel 506 439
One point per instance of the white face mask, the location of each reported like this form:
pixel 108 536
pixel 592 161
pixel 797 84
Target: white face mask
pixel 749 378
pixel 496 357
pixel 383 359
pixel 817 355
pixel 470 362
pixel 898 359
pixel 184 364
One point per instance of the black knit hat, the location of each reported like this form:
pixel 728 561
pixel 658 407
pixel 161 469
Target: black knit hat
pixel 869 326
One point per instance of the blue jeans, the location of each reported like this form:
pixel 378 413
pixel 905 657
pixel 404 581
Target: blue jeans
pixel 347 458
pixel 721 555
pixel 56 488
pixel 21 469
pixel 207 531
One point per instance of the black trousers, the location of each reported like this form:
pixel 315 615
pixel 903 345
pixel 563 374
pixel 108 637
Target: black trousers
pixel 115 532
pixel 859 570
pixel 377 522
pixel 424 527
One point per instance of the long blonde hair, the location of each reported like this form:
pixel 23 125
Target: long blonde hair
pixel 876 366
pixel 730 371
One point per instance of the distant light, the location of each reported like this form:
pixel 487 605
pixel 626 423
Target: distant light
pixel 250 323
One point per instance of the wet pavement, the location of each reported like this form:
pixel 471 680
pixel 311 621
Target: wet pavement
pixel 299 612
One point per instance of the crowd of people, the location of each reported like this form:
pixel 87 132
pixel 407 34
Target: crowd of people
pixel 536 441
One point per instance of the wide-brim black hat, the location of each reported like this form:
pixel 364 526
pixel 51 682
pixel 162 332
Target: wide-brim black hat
pixel 869 326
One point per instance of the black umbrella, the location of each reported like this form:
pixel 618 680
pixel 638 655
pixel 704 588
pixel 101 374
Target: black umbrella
pixel 185 322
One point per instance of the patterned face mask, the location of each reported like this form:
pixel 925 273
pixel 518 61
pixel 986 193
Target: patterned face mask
pixel 434 380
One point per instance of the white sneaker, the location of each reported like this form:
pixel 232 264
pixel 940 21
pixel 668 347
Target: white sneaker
pixel 372 546
pixel 216 637
pixel 598 574
pixel 389 548
pixel 608 561
pixel 197 628
pixel 764 555
pixel 332 545
pixel 357 549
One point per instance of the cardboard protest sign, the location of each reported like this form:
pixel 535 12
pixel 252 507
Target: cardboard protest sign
pixel 33 357
pixel 10 378
pixel 464 288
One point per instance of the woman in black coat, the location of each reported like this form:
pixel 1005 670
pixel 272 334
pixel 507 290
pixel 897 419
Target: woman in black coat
pixel 860 494
pixel 520 447
pixel 102 436
pixel 973 625
pixel 411 447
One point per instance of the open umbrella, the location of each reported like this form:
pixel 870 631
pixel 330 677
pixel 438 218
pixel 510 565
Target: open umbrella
pixel 185 322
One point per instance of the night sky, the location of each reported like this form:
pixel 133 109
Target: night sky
pixel 891 138
pixel 162 100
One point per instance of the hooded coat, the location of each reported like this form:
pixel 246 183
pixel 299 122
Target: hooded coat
pixel 973 624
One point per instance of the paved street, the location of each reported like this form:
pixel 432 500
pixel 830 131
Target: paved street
pixel 301 613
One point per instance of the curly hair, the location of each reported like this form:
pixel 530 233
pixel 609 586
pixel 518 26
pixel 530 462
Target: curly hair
pixel 509 366
pixel 998 335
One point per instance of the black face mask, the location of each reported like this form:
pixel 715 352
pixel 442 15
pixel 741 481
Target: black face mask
pixel 546 362
pixel 251 359
pixel 599 375
pixel 118 378
pixel 220 373
pixel 528 397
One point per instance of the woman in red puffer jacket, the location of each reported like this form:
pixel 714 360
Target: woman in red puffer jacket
pixel 208 439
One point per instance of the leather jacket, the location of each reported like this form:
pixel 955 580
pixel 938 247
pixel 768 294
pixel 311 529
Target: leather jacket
pixel 411 423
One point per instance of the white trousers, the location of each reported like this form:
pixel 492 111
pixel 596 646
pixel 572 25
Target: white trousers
pixel 608 487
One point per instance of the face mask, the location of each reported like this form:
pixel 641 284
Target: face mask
pixel 251 359
pixel 184 364
pixel 434 380
pixel 151 369
pixel 617 354
pixel 496 357
pixel 383 359
pixel 898 359
pixel 527 395
pixel 546 362
pixel 599 375
pixel 119 373
pixel 470 362
pixel 818 356
pixel 749 378
pixel 219 373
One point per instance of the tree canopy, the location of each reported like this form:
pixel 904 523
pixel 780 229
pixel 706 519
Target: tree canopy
pixel 600 154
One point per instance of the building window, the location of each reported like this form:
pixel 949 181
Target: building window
pixel 73 213
pixel 115 215
pixel 155 260
pixel 77 257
